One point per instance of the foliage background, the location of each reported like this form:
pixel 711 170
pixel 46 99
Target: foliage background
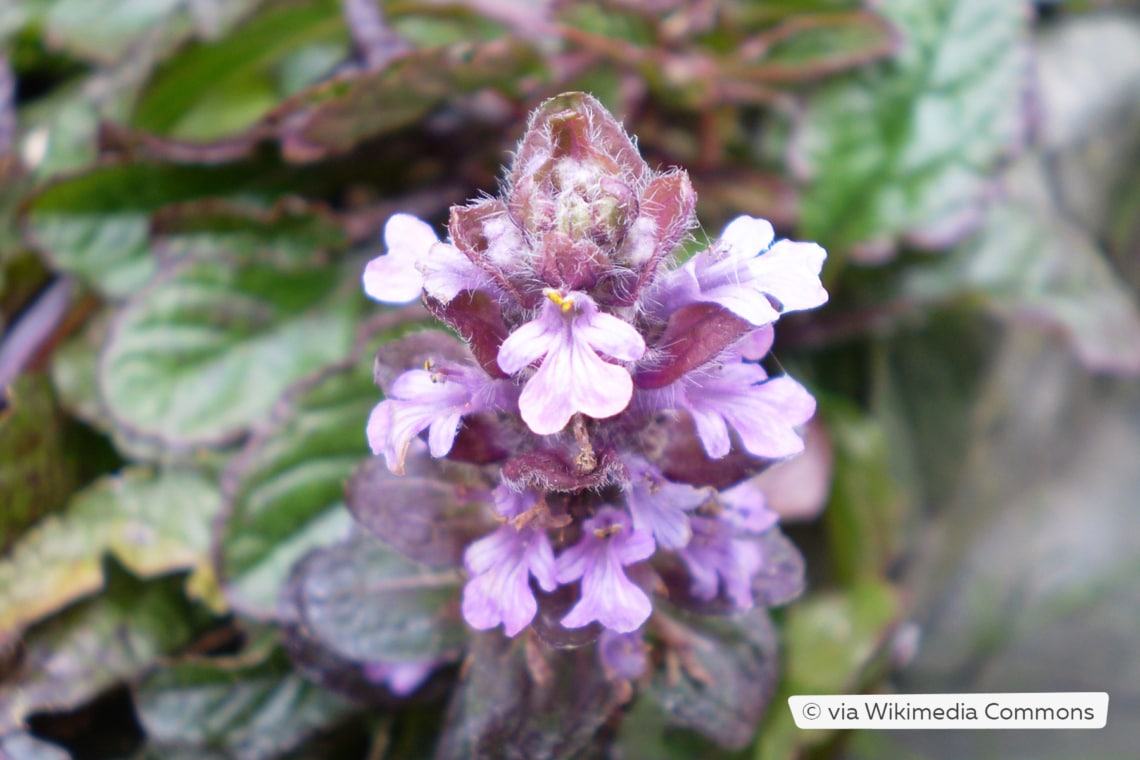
pixel 188 192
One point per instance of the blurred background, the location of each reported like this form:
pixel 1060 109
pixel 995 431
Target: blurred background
pixel 190 188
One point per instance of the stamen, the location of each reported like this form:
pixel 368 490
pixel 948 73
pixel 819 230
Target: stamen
pixel 565 302
pixel 608 531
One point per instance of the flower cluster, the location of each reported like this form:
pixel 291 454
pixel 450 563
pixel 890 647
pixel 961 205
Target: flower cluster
pixel 612 403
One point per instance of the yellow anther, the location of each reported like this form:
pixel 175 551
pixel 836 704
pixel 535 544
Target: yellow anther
pixel 565 302
pixel 607 531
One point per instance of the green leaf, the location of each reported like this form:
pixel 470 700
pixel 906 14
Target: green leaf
pixel 368 603
pixel 214 89
pixel 291 233
pixel 337 115
pixel 727 674
pixel 809 46
pixel 644 734
pixel 428 26
pixel 61 128
pixel 906 150
pixel 864 515
pixel 830 637
pixel 924 395
pixel 103 31
pixel 1028 265
pixel 35 477
pixel 95 225
pixel 75 374
pixel 75 369
pixel 96 644
pixel 253 712
pixel 154 523
pixel 285 491
pixel 206 351
pixel 829 640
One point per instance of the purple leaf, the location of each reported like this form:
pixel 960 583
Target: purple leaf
pixel 781 577
pixel 669 202
pixel 428 515
pixel 479 321
pixel 684 459
pixel 520 700
pixel 370 604
pixel 555 469
pixel 728 673
pixel 694 335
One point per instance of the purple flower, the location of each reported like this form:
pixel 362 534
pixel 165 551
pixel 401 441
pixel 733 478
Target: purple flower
pixel 608 543
pixel 746 508
pixel 401 678
pixel 743 269
pixel 566 289
pixel 570 332
pixel 724 549
pixel 715 555
pixel 500 566
pixel 510 503
pixel 659 506
pixel 756 344
pixel 435 400
pixel 622 654
pixel 394 277
pixel 763 411
pixel 447 272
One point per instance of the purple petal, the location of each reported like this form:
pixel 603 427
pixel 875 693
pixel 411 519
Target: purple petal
pixel 435 400
pixel 636 546
pixel 746 236
pixel 484 554
pixel 573 378
pixel 756 344
pixel 574 562
pixel 743 270
pixel 541 561
pixel 712 430
pixel 441 433
pixel 528 344
pixel 623 655
pixel 500 566
pixel 610 336
pixel 379 428
pixel 510 503
pixel 446 273
pixel 764 412
pixel 659 507
pixel 394 278
pixel 716 556
pixel 406 677
pixel 610 598
pixel 747 508
pixel 789 272
pixel 744 302
pixel 401 678
pixel 567 334
pixel 766 422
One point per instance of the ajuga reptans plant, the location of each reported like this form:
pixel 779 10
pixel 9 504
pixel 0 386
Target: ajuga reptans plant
pixel 600 416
